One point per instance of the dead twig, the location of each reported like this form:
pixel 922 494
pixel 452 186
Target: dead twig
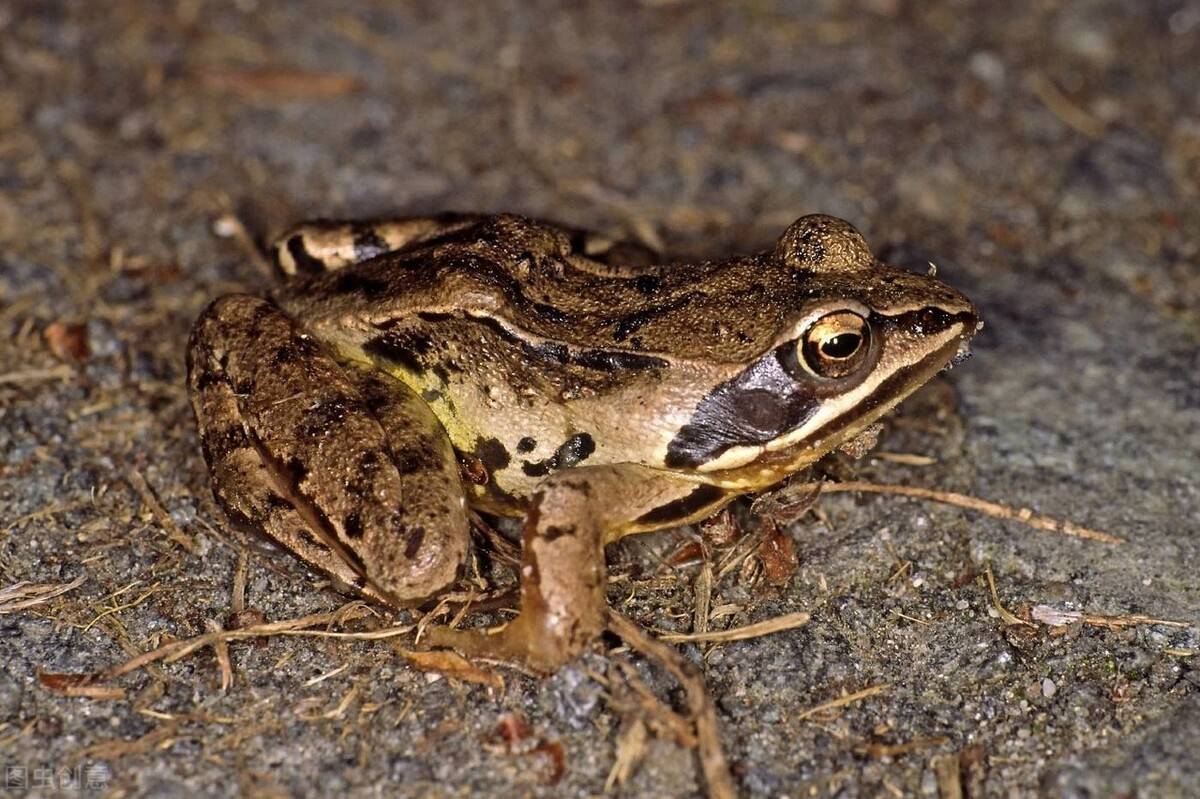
pixel 712 756
pixel 1070 113
pixel 221 649
pixel 175 650
pixel 1006 615
pixel 631 748
pixel 787 621
pixel 842 701
pixel 173 531
pixel 61 372
pixel 1058 618
pixel 22 595
pixel 895 750
pixel 1023 515
pixel 112 750
pixel 273 84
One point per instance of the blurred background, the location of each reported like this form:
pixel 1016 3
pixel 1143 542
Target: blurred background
pixel 1045 155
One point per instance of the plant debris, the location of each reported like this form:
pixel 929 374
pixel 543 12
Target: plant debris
pixel 712 755
pixel 24 595
pixel 1006 615
pixel 1023 515
pixel 843 700
pixel 787 621
pixel 1058 618
pixel 68 342
pixel 452 664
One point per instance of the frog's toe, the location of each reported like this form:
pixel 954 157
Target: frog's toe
pixel 523 642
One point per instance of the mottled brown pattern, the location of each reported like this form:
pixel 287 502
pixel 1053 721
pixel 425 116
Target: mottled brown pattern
pixel 525 273
pixel 597 397
pixel 342 490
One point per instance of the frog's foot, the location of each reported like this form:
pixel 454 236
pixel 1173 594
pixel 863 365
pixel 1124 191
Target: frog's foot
pixel 296 446
pixel 573 515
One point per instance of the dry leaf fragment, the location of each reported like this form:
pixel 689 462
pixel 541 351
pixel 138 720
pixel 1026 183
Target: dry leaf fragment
pixel 631 749
pixel 68 342
pixel 556 756
pixel 778 555
pixel 78 685
pixel 789 503
pixel 22 595
pixel 512 729
pixel 452 664
pixel 720 530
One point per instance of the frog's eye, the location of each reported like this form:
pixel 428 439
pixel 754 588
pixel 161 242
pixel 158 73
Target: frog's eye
pixel 835 345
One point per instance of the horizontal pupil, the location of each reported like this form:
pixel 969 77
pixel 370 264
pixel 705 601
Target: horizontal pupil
pixel 841 346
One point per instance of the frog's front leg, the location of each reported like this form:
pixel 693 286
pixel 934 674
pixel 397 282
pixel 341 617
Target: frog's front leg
pixel 573 514
pixel 297 448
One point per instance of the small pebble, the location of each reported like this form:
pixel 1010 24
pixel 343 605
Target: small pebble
pixel 987 67
pixel 1049 689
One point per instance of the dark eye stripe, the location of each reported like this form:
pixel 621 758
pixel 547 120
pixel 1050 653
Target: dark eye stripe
pixel 773 397
pixel 759 405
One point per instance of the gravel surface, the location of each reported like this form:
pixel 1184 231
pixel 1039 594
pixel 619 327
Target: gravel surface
pixel 1046 155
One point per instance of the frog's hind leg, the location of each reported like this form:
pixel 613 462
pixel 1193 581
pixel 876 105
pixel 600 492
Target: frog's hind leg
pixel 325 245
pixel 296 449
pixel 573 515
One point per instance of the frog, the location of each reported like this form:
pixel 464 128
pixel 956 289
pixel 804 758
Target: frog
pixel 411 372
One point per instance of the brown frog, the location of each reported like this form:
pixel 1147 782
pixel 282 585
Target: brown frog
pixel 412 368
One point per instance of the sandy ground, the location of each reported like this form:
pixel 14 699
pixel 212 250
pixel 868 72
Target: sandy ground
pixel 1045 155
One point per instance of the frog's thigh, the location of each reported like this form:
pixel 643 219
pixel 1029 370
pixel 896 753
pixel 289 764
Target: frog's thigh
pixel 296 450
pixel 326 245
pixel 574 513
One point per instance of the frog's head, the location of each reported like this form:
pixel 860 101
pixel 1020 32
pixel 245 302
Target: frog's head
pixel 854 337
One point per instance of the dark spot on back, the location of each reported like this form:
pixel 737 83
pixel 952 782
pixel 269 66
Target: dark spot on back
pixel 492 453
pixel 573 451
pixel 627 326
pixel 295 349
pixel 305 263
pixel 353 526
pixel 416 537
pixel 217 443
pixel 614 360
pixel 526 445
pixel 549 312
pixel 419 455
pixel 554 352
pixel 323 418
pixel 647 284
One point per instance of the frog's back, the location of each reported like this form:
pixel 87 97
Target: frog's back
pixel 535 281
